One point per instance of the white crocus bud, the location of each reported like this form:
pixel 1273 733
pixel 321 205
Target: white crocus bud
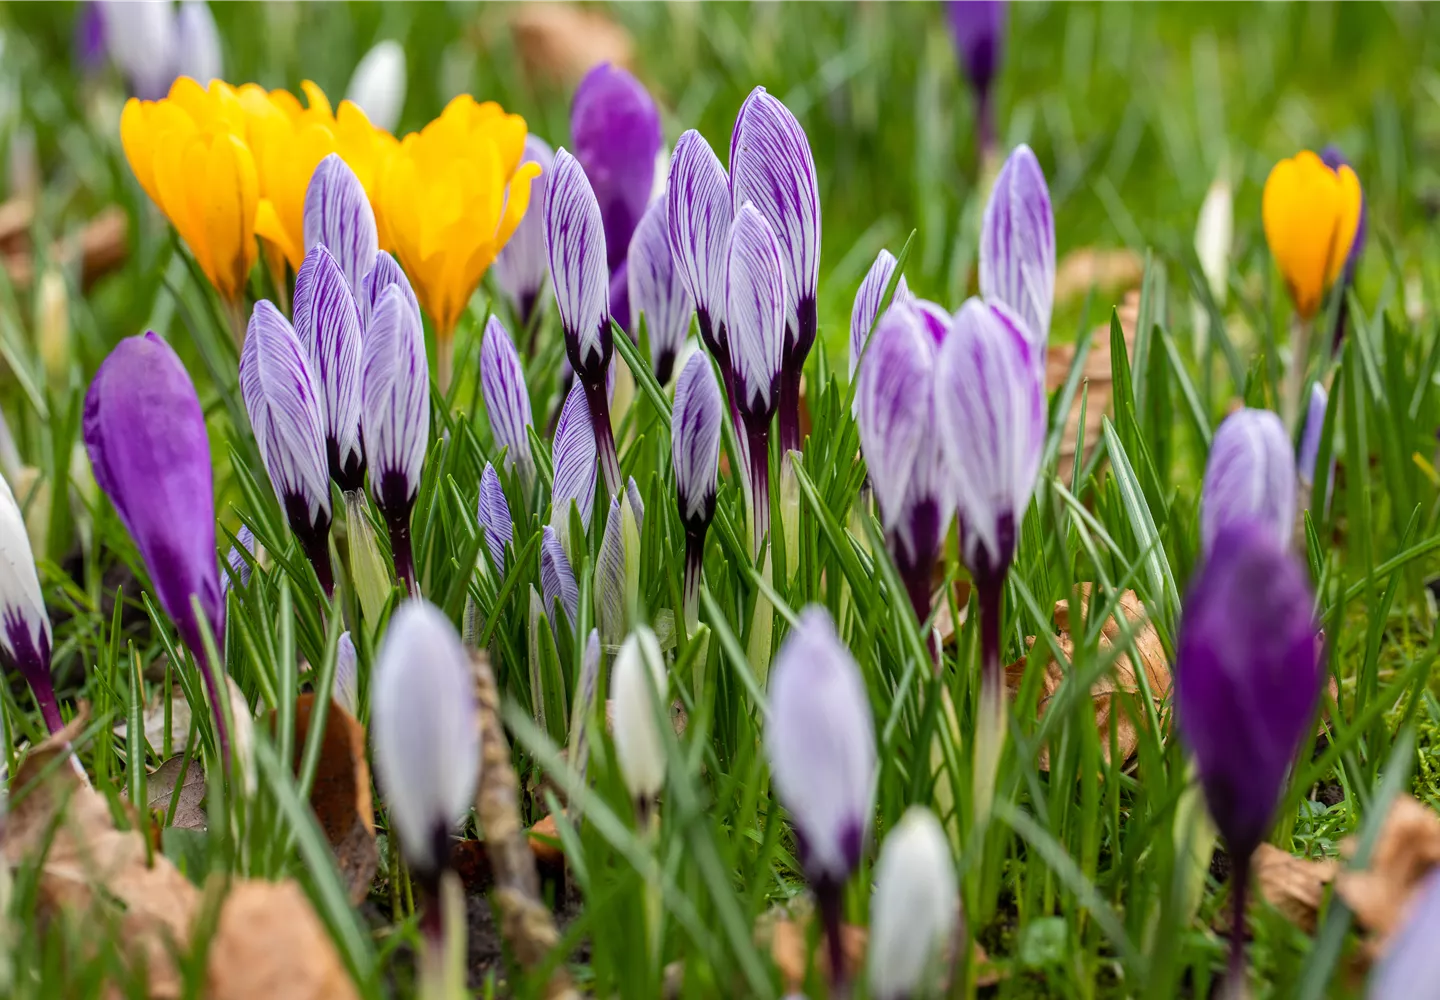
pixel 638 688
pixel 24 625
pixel 915 909
pixel 378 85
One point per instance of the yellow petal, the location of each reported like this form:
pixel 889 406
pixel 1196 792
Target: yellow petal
pixel 230 213
pixel 1351 199
pixel 269 229
pixel 1304 208
pixel 316 98
pixel 137 138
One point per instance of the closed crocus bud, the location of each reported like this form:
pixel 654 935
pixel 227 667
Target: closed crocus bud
pixel 522 267
pixel 145 433
pixel 699 214
pixel 395 417
pixel 617 567
pixel 1214 232
pixel 915 909
pixel 638 688
pixel 557 579
pixel 572 455
pixel 978 29
pixel 383 273
pixel 695 450
pixel 575 242
pixel 287 416
pixel 1017 245
pixel 338 216
pixel 507 399
pixel 657 292
pixel 1410 968
pixel 141 39
pixel 616 128
pixel 426 732
pixel 347 675
pixel 24 625
pixel 377 86
pixel 197 42
pixel 327 325
pixel 867 303
pixel 1250 475
pixel 237 567
pixel 494 517
pixel 895 408
pixel 1311 215
pixel 772 168
pixel 1248 674
pixel 1309 451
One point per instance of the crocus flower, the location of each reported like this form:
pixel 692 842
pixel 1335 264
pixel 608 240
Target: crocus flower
pixel 395 417
pixel 1309 450
pixel 572 455
pixel 383 273
pixel 695 452
pixel 615 126
pixel 507 399
pixel 755 305
pixel 1250 475
pixel 522 266
pixel 88 39
pixel 1017 245
pixel 494 517
pixel 868 298
pixel 154 43
pixel 1248 674
pixel 915 909
pixel 145 433
pixel 377 86
pixel 237 567
pixel 617 566
pixel 700 215
pixel 1410 968
pixel 557 578
pixel 895 407
pixel 327 325
pixel 337 215
pixel 1214 232
pixel 24 625
pixel 657 291
pixel 288 417
pixel 820 739
pixel 978 28
pixel 638 688
pixel 427 739
pixel 453 193
pixel 772 168
pixel 347 675
pixel 1334 159
pixel 1311 215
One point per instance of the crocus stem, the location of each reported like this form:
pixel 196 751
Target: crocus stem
pixel 401 550
pixel 44 690
pixel 830 900
pixel 790 376
pixel 604 434
pixel 526 315
pixel 694 565
pixel 368 575
pixel 317 549
pixel 444 360
pixel 1299 364
pixel 1236 987
pixel 759 462
pixel 442 958
pixel 990 711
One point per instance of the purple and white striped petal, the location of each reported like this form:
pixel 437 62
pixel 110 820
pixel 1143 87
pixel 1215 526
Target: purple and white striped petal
pixel 507 399
pixel 25 636
pixel 574 460
pixel 657 291
pixel 755 307
pixel 238 566
pixel 1017 244
pixel 771 167
pixel 610 579
pixel 867 303
pixel 522 266
pixel 1250 475
pixel 695 440
pixel 383 273
pixel 699 216
pixel 575 243
pixel 637 505
pixel 328 325
pixel 395 400
pixel 338 216
pixel 990 405
pixel 1309 450
pixel 557 579
pixel 494 516
pixel 287 417
pixel 346 689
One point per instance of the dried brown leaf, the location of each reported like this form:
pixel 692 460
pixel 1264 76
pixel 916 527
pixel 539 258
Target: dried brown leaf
pixel 270 945
pixel 160 787
pixel 1294 886
pixel 560 42
pixel 1105 270
pixel 153 719
pixel 1096 389
pixel 1407 850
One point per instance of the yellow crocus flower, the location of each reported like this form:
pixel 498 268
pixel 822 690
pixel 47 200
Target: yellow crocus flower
pixel 1310 214
pixel 451 196
pixel 188 156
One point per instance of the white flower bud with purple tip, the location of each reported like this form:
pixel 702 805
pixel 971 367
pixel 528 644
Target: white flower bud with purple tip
pixel 327 324
pixel 638 688
pixel 1017 245
pixel 426 731
pixel 522 266
pixel 657 290
pixel 915 909
pixel 699 217
pixel 867 303
pixel 1250 475
pixel 507 399
pixel 24 625
pixel 338 217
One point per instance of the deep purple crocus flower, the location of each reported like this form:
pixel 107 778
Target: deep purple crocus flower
pixel 695 450
pixel 1334 159
pixel 507 399
pixel 327 324
pixel 1017 245
pixel 521 268
pixel 657 291
pixel 772 168
pixel 1248 674
pixel 1250 475
pixel 615 127
pixel 145 434
pixel 25 636
pixel 978 28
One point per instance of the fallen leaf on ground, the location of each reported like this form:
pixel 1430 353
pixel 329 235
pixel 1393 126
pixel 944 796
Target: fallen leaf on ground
pixel 1122 678
pixel 1407 850
pixel 160 787
pixel 1096 389
pixel 1105 270
pixel 560 42
pixel 945 625
pixel 1294 886
pixel 269 943
pixel 153 719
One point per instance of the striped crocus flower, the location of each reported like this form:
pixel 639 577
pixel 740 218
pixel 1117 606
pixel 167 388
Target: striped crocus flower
pixel 395 416
pixel 287 415
pixel 772 168
pixel 1017 245
pixel 327 324
pixel 572 455
pixel 699 215
pixel 507 399
pixel 384 272
pixel 557 578
pixel 868 299
pixel 657 291
pixel 338 217
pixel 237 567
pixel 1250 475
pixel 695 452
pixel 494 517
pixel 575 241
pixel 24 624
pixel 522 267
pixel 346 688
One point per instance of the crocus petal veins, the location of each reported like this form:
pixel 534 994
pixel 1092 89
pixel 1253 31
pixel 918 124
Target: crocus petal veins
pixel 1311 214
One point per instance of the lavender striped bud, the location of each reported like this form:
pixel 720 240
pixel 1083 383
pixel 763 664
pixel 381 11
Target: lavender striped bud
pixel 575 243
pixel 755 305
pixel 426 732
pixel 494 516
pixel 820 739
pixel 657 291
pixel 638 688
pixel 288 418
pixel 507 399
pixel 347 675
pixel 1250 475
pixel 990 405
pixel 915 910
pixel 327 323
pixel 1017 245
pixel 695 442
pixel 522 266
pixel 573 457
pixel 637 504
pixel 236 565
pixel 337 216
pixel 24 625
pixel 1410 968
pixel 1309 450
pixel 383 273
pixel 868 298
pixel 700 215
pixel 557 579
